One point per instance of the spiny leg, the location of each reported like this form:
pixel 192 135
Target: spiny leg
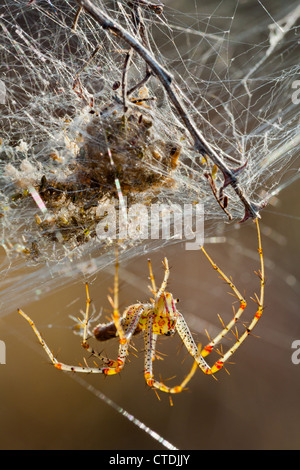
pixel 55 362
pixel 154 289
pixel 165 280
pixel 84 343
pixel 111 367
pixel 130 322
pixel 86 317
pixel 189 342
pixel 210 346
pixel 150 344
pixel 132 319
pixel 260 302
pixel 191 373
pixel 115 302
pixel 133 315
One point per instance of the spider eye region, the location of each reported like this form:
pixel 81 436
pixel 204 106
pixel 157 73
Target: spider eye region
pixel 165 305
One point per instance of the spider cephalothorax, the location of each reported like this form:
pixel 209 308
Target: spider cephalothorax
pixel 164 315
pixel 160 316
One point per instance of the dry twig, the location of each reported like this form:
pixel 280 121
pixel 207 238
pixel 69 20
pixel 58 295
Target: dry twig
pixel 200 143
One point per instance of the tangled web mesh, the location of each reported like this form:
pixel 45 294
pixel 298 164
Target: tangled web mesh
pixel 68 150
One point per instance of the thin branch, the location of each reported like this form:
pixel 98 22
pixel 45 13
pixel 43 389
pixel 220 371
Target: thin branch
pixel 156 7
pixel 139 85
pixel 139 29
pixel 166 79
pixel 221 201
pixel 75 22
pixel 124 78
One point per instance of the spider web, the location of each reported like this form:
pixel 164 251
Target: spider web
pixel 236 67
pixel 238 93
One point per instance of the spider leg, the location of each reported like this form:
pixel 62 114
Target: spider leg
pixel 150 343
pixel 165 280
pixel 115 303
pixel 86 317
pixel 133 315
pixel 260 302
pixel 210 346
pixel 111 367
pixel 189 342
pixel 86 345
pixel 154 289
pixel 55 362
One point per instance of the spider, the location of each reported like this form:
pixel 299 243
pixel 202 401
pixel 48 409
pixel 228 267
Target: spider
pixel 158 317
